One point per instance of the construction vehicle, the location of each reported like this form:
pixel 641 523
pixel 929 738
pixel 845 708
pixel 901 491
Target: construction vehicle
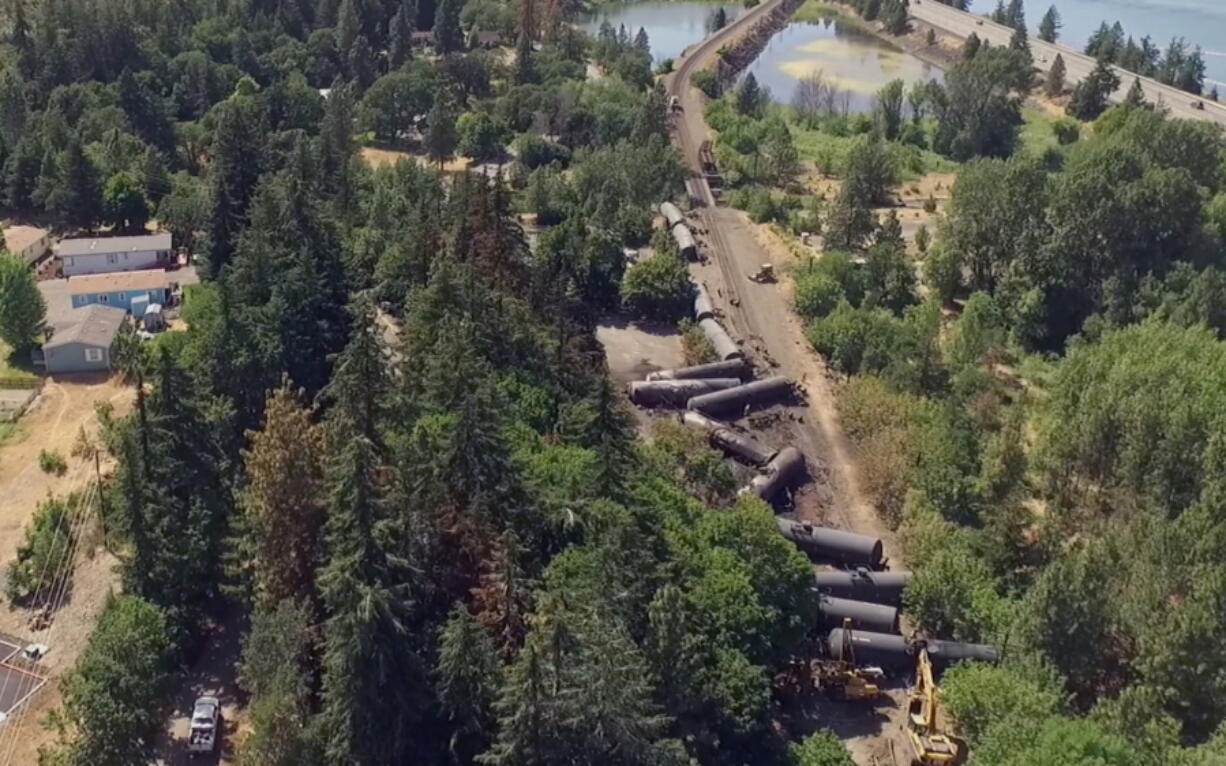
pixel 843 679
pixel 930 745
pixel 764 274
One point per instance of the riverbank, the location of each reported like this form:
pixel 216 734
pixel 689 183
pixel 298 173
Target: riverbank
pixel 944 53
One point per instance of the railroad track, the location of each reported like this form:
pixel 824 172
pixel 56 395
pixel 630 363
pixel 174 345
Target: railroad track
pixel 688 132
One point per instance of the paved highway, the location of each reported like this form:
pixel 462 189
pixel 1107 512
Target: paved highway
pixel 1079 65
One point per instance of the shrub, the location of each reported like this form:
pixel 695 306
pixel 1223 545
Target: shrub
pixel 1066 131
pixel 657 288
pixel 43 554
pixel 707 82
pixel 820 749
pixel 695 344
pixel 817 294
pixel 52 462
pixel 534 151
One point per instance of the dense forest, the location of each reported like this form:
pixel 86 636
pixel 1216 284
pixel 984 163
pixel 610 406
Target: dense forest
pixel 388 442
pixel 450 543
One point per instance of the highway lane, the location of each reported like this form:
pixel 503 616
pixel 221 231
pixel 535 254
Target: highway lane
pixel 1079 65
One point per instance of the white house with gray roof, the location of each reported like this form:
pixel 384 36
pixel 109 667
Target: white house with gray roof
pixel 103 255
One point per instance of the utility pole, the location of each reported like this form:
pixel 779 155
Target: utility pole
pixel 106 538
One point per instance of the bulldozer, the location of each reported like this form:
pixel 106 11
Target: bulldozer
pixel 764 274
pixel 844 679
pixel 930 746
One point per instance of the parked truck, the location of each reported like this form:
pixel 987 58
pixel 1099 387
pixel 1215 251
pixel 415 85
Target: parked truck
pixel 206 719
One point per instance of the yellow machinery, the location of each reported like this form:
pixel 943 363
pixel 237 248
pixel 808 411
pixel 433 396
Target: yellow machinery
pixel 929 745
pixel 843 679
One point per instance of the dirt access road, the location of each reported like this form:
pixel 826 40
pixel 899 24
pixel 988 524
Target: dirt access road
pixel 761 317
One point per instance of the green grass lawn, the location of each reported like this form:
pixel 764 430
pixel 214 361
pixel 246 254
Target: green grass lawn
pixel 7 431
pixel 15 371
pixel 1037 136
pixel 829 151
pixel 816 10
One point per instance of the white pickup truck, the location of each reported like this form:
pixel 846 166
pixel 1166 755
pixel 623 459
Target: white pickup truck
pixel 206 717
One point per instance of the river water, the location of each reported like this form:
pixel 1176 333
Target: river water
pixel 1201 22
pixel 671 26
pixel 854 61
pixel 857 62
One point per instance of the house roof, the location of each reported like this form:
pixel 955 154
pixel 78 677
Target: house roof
pixel 18 238
pixel 95 326
pixel 115 281
pixel 104 245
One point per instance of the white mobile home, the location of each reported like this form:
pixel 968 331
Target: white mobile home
pixel 109 254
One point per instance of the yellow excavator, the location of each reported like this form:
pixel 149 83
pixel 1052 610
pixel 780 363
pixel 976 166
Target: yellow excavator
pixel 930 746
pixel 843 679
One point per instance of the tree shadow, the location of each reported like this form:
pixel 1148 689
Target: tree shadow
pixel 658 328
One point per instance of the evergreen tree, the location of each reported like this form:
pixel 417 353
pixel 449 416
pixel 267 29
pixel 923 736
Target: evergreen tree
pixel 154 176
pixel 448 35
pixel 76 198
pixel 372 698
pixel 441 136
pixel 400 45
pixel 360 63
pixel 348 27
pixel 750 100
pixel 641 42
pixel 238 158
pixel 525 73
pixel 336 143
pixel 359 386
pixel 894 17
pixel 1055 78
pixel 1136 94
pixel 1091 94
pixel 172 498
pixel 21 170
pixel 1049 27
pixel 971 46
pixel 21 38
pixel 544 707
pixel 283 516
pixel 467 678
pixel 1015 15
pixel 14 111
pixel 274 671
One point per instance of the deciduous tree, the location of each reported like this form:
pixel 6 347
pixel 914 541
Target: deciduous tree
pixel 22 308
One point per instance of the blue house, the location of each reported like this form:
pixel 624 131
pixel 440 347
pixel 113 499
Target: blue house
pixel 127 290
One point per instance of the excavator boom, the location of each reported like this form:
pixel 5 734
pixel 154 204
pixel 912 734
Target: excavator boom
pixel 930 746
